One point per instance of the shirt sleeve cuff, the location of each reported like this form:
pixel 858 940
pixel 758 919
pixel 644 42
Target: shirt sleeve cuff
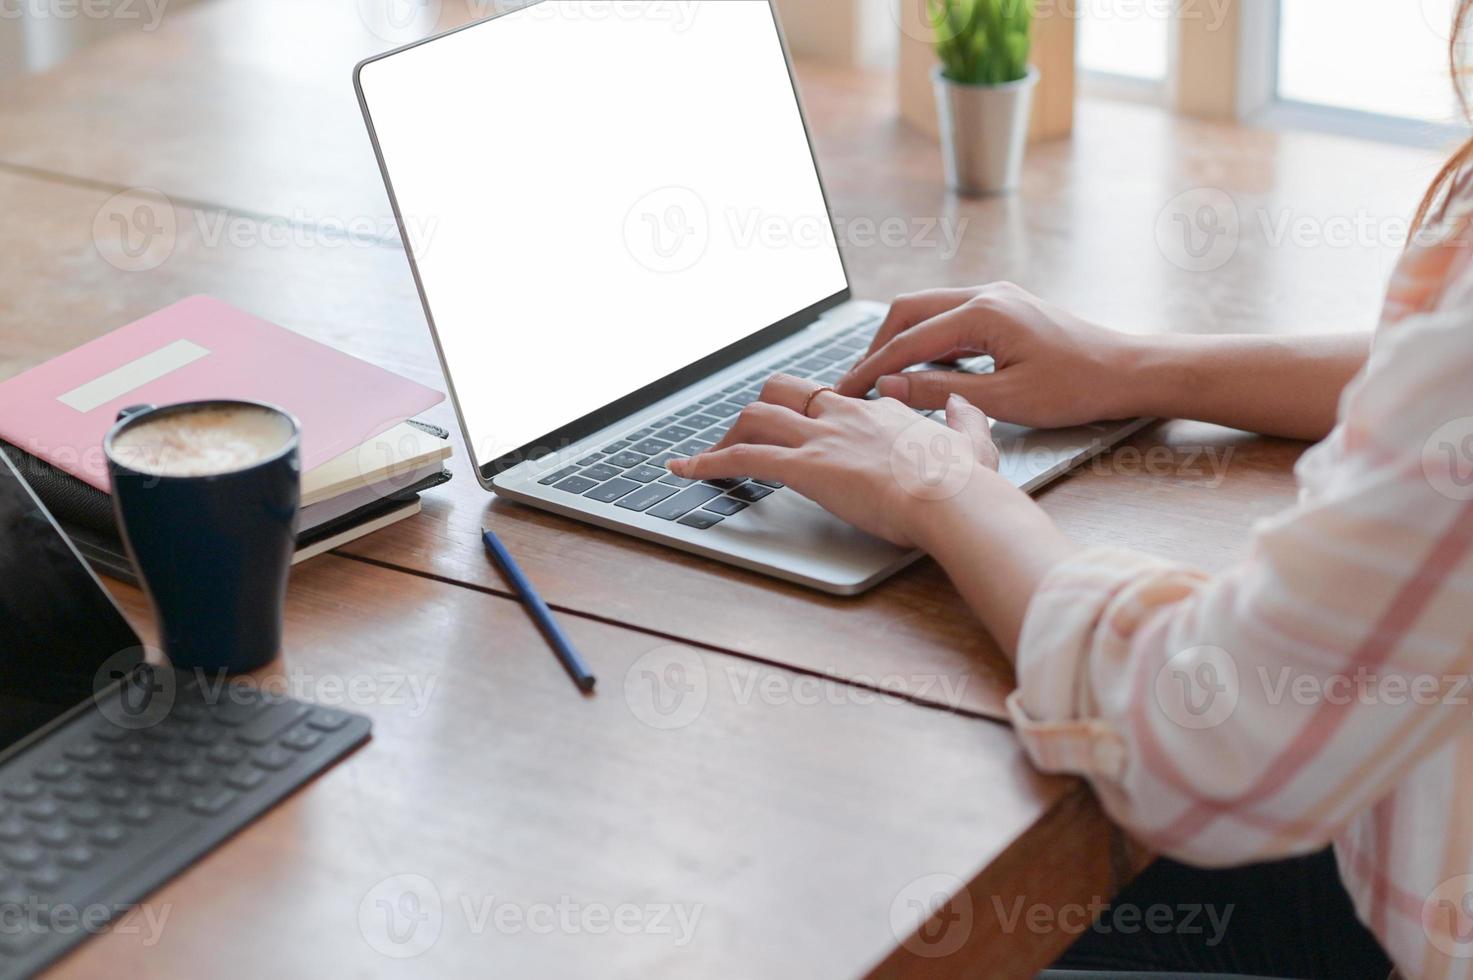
pixel 1054 710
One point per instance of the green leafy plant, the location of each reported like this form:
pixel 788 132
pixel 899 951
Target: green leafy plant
pixel 983 42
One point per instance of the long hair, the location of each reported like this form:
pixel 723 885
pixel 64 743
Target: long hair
pixel 1435 201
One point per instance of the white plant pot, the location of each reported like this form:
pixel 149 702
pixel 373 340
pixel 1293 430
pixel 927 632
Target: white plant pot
pixel 984 130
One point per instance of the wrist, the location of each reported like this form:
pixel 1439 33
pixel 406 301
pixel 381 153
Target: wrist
pixel 1151 373
pixel 947 524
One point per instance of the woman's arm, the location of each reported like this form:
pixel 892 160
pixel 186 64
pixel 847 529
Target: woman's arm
pixel 1055 369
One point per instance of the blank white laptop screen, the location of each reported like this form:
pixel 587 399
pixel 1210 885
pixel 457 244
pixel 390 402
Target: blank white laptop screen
pixel 597 195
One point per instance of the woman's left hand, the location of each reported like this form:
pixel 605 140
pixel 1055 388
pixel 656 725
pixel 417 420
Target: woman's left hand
pixel 876 464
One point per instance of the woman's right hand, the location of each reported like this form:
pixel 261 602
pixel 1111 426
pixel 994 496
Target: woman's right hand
pixel 1053 369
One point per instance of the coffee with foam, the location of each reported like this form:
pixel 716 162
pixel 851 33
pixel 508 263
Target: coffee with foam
pixel 206 441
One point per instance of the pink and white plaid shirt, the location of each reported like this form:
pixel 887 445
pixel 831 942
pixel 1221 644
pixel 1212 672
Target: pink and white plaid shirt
pixel 1320 691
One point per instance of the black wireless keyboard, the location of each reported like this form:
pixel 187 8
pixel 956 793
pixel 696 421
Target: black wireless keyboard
pixel 147 779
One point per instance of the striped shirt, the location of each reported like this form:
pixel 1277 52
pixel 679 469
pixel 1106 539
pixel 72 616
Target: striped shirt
pixel 1318 691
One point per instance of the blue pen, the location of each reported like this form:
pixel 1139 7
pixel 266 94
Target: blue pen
pixel 577 669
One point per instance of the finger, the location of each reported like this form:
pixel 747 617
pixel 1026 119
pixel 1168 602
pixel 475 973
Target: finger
pixel 931 389
pixel 789 392
pixel 941 336
pixel 915 308
pixel 746 459
pixel 769 425
pixel 973 423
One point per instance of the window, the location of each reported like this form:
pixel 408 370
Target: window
pixel 1370 56
pixel 1128 38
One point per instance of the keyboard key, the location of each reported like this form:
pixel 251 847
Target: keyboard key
pixel 676 433
pixel 611 491
pixel 77 857
pixel 23 857
pixel 108 835
pixel 54 772
pixel 615 447
pixel 646 497
pixel 137 814
pixel 70 791
pixel 270 726
pixel 651 447
pixel 247 778
pixel 683 502
pixel 226 754
pixel 712 398
pixel 55 835
pixel 725 409
pixel 103 772
pixel 601 472
pixel 576 484
pixel 664 458
pixel 561 474
pixel 169 794
pixel 20 792
pixel 114 795
pixel 677 481
pixel 213 803
pixel 44 879
pixel 174 755
pixel 700 520
pixel 661 423
pixel 83 752
pixel 744 398
pixel 327 720
pixel 303 740
pixel 272 758
pixel 647 431
pixel 701 421
pixel 645 474
pixel 729 483
pixel 42 810
pixel 770 483
pixel 196 774
pixel 811 365
pixel 145 775
pixel 626 460
pixel 85 814
pixel 13 831
pixel 237 707
pixel 751 492
pixel 590 460
pixel 693 447
pixel 726 506
pixel 687 410
pixel 129 751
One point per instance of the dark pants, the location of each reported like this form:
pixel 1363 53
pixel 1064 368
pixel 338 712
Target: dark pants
pixel 1289 919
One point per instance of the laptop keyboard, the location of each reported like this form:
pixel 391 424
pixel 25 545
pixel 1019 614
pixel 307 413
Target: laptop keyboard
pixel 629 473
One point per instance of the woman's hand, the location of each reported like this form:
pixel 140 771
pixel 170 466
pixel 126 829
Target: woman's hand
pixel 876 464
pixel 1053 369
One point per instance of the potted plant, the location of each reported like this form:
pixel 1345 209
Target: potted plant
pixel 984 90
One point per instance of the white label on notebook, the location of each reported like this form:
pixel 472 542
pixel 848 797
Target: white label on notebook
pixel 135 374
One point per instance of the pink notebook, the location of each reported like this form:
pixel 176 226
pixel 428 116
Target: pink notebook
pixel 200 348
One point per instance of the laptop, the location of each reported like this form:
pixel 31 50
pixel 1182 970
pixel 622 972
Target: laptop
pixel 115 775
pixel 616 224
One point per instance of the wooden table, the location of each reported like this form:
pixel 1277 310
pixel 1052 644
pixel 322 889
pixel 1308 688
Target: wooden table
pixel 844 758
